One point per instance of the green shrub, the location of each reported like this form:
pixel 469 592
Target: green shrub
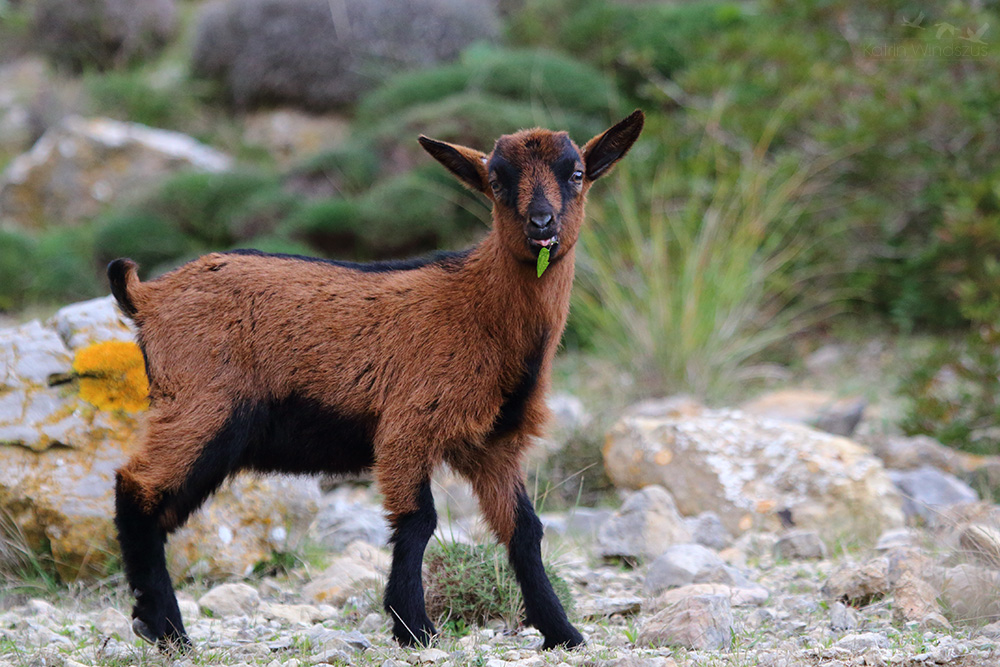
pixel 64 266
pixel 415 212
pixel 203 205
pixel 262 213
pixel 954 392
pixel 896 120
pixel 149 239
pixel 130 96
pixel 349 169
pixel 634 40
pixel 474 120
pixel 17 265
pixel 332 226
pixel 546 80
pixel 470 585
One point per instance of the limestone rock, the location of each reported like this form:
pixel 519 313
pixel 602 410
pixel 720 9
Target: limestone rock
pixel 916 600
pixel 77 167
pixel 927 491
pixel 697 622
pixel 230 600
pixel 30 355
pixel 756 473
pixel 340 580
pixel 683 564
pixel 88 322
pixel 819 409
pixel 63 499
pixel 340 522
pixel 800 545
pixel 645 525
pixel 752 596
pixel 113 623
pixel 859 583
pixel 860 642
pixel 708 530
pixel 243 524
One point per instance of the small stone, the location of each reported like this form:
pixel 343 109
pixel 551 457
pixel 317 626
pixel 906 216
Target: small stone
pixel 338 639
pixel 605 607
pixel 646 524
pixel 916 600
pixel 927 491
pixel 708 530
pixel 862 641
pixel 842 617
pixel 859 584
pixel 372 623
pixel 304 614
pixel 230 600
pixel 800 545
pixel 897 538
pixel 337 582
pixel 699 622
pixel 113 623
pixel 684 564
pixel 432 656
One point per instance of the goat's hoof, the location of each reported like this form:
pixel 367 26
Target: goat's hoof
pixel 572 640
pixel 170 644
pixel 143 631
pixel 421 634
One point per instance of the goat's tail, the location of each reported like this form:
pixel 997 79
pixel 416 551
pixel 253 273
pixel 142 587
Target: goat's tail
pixel 124 279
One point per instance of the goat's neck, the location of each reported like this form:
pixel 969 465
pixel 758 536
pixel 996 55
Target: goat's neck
pixel 510 297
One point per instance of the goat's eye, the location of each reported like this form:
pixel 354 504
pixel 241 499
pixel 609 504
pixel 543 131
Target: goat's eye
pixel 496 187
pixel 577 177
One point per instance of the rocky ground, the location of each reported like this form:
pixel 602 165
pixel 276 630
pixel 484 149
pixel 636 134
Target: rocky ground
pixel 794 530
pixel 762 599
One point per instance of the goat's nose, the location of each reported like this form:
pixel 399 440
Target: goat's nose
pixel 541 220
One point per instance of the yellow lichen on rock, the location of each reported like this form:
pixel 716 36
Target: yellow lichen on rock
pixel 112 376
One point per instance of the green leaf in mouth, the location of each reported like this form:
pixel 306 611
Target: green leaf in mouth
pixel 543 261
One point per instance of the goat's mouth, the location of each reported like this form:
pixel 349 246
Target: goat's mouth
pixel 536 245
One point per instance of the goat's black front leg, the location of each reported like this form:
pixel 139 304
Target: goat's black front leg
pixel 155 616
pixel 404 594
pixel 542 607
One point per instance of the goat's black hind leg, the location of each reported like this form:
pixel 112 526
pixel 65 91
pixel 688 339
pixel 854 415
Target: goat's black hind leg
pixel 404 593
pixel 542 607
pixel 155 616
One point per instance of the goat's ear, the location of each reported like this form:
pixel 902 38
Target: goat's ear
pixel 466 163
pixel 601 152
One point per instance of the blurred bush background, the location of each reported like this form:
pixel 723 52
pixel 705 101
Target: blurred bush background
pixel 805 163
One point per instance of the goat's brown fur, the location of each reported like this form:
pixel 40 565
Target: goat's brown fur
pixel 428 357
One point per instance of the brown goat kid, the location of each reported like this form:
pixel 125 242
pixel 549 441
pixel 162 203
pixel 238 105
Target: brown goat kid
pixel 292 364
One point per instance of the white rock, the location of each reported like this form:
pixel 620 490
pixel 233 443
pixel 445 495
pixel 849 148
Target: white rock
pixel 88 322
pixel 645 525
pixel 230 600
pixel 756 472
pixel 113 623
pixel 81 164
pixel 862 641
